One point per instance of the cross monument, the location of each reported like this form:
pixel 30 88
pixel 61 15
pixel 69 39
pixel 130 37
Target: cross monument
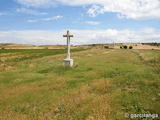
pixel 68 61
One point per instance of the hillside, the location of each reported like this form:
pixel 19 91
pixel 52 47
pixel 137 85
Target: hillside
pixel 89 46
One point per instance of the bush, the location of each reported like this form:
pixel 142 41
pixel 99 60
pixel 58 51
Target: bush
pixel 2 48
pixel 125 46
pixel 130 47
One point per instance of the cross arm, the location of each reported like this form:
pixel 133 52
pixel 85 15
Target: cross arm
pixel 70 35
pixel 67 35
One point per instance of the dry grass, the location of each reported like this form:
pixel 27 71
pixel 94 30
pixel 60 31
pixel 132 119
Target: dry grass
pixel 102 85
pixel 87 102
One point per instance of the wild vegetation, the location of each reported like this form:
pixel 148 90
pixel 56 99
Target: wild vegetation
pixel 16 55
pixel 152 44
pixel 102 85
pixel 130 47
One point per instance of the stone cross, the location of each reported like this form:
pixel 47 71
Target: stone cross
pixel 68 43
pixel 68 61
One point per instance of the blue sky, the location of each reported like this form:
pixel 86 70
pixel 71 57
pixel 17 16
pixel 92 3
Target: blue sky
pixel 90 21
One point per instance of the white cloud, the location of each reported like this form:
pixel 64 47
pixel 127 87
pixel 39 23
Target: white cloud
pixel 32 21
pixel 36 37
pixel 92 22
pixel 2 13
pixel 37 3
pixel 29 11
pixel 80 36
pixel 81 2
pixel 47 19
pixel 94 11
pixel 148 30
pixel 132 9
pixel 53 18
pixel 50 3
pixel 82 14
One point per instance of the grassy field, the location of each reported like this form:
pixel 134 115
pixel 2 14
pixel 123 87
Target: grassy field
pixel 9 57
pixel 102 85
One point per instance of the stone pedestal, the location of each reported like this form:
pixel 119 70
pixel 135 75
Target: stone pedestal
pixel 68 62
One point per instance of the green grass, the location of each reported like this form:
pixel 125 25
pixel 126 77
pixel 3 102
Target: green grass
pixel 101 85
pixel 17 55
pixel 150 57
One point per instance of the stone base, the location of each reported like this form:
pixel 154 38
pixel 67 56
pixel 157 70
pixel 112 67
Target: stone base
pixel 68 62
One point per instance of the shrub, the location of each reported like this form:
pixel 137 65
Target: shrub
pixel 130 47
pixel 125 46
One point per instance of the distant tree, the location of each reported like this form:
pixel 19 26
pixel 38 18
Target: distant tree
pixel 93 44
pixel 121 47
pixel 155 44
pixel 125 46
pixel 130 47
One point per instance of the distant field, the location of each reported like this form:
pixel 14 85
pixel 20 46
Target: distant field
pixel 102 85
pixel 17 55
pixel 89 46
